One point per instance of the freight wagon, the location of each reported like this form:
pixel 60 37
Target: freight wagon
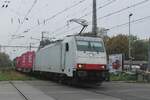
pixel 18 63
pixel 24 63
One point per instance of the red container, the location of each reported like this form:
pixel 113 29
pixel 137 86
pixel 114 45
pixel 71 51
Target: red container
pixel 18 62
pixel 29 59
pixel 25 61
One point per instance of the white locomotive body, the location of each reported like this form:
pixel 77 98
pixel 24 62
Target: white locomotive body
pixel 79 57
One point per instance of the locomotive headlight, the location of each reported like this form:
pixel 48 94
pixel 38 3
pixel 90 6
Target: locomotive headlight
pixel 80 66
pixel 103 67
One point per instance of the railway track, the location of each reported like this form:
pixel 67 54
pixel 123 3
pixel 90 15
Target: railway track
pixel 21 94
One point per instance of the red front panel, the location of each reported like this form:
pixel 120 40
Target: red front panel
pixel 91 66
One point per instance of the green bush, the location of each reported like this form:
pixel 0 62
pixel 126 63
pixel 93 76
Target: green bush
pixel 122 77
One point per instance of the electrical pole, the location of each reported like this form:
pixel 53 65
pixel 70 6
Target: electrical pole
pixel 30 46
pixel 94 19
pixel 149 55
pixel 42 38
pixel 130 57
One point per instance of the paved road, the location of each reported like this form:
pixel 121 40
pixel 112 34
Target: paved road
pixel 125 91
pixel 47 90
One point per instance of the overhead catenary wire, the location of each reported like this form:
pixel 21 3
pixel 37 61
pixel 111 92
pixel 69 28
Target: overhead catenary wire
pixel 110 14
pixel 133 21
pixel 57 14
pixel 107 15
pixel 22 22
pixel 67 30
pixel 123 9
pixel 116 26
pixel 105 5
pixel 66 9
pixel 12 10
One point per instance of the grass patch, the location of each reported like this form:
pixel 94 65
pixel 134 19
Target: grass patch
pixel 7 75
pixel 123 77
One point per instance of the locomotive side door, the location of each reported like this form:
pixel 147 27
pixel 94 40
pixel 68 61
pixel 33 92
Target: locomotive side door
pixel 64 53
pixel 66 59
pixel 62 57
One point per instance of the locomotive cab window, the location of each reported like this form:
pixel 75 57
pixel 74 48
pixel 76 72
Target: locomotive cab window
pixel 92 46
pixel 67 47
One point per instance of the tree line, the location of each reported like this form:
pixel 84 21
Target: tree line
pixel 5 60
pixel 120 44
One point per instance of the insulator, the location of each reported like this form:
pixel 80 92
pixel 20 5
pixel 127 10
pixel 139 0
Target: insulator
pixel 6 6
pixel 3 6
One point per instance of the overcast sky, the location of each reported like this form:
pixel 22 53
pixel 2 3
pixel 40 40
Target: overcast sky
pixel 12 19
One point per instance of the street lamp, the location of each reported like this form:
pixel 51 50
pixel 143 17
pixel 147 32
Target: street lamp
pixel 130 57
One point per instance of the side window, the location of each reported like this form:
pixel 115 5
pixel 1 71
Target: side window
pixel 67 47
